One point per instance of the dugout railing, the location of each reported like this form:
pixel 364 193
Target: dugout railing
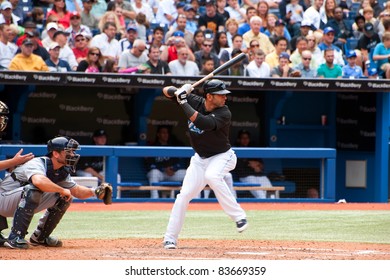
pixel 326 158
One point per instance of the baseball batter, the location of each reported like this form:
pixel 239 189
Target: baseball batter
pixel 209 123
pixel 42 183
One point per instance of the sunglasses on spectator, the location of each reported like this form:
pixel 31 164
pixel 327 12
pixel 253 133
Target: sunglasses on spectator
pixel 207 45
pixel 80 40
pixel 95 54
pixel 306 58
pixel 256 45
pixel 75 18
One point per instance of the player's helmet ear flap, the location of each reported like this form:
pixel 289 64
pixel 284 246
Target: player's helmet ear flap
pixel 68 145
pixel 215 86
pixel 4 111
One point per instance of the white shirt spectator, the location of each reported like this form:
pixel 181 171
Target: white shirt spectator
pixel 166 7
pixel 7 53
pixel 264 71
pixel 127 59
pixel 111 48
pixel 145 9
pixel 188 69
pixel 67 54
pixel 313 17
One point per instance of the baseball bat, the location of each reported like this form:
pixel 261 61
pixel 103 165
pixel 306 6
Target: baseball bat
pixel 170 90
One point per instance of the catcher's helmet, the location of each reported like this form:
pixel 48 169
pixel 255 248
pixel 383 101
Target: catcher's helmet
pixel 68 145
pixel 3 115
pixel 215 86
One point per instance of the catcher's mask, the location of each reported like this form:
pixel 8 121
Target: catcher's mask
pixel 67 144
pixel 3 115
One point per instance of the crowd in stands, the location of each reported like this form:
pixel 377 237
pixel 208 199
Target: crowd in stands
pixel 282 38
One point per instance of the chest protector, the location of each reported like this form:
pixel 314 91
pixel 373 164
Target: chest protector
pixel 55 175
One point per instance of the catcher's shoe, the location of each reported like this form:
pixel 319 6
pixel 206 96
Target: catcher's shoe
pixel 242 225
pixel 17 242
pixel 170 245
pixel 47 242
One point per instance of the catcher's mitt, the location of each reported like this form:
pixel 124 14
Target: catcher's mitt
pixel 104 192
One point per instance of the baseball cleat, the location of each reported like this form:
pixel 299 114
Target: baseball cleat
pixel 242 225
pixel 170 245
pixel 47 242
pixel 16 243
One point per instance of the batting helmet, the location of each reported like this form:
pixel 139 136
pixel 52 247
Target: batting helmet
pixel 215 86
pixel 3 115
pixel 68 145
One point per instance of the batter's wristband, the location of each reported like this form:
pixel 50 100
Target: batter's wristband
pixel 188 110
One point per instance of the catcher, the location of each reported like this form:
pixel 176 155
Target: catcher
pixel 44 183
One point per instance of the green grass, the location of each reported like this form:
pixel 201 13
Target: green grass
pixel 344 226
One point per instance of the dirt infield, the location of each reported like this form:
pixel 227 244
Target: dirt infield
pixel 151 249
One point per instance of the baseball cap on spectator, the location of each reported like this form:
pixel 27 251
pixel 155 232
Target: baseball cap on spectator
pixel 99 132
pixel 52 25
pixel 209 2
pixel 208 34
pixel 280 22
pixel 30 34
pixel 5 5
pixel 178 34
pixel 284 55
pixel 180 5
pixel 369 28
pixel 305 22
pixel 328 30
pixel 27 42
pixel 351 54
pixel 372 71
pixel 29 24
pixel 75 14
pixel 53 45
pixel 189 7
pixel 83 34
pixel 131 26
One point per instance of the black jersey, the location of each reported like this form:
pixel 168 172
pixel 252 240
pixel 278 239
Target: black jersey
pixel 213 141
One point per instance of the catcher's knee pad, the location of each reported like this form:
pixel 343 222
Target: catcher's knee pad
pixel 25 211
pixel 50 219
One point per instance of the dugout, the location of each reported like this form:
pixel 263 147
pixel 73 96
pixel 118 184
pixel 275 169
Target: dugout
pixel 278 113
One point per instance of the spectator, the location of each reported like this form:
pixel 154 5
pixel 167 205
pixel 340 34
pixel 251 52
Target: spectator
pixel 372 73
pixel 222 9
pixel 312 14
pixel 51 28
pixel 258 68
pixel 238 43
pixel 131 35
pixel 157 66
pixel 142 26
pixel 294 16
pixel 283 69
pixel 207 66
pixel 158 38
pixel 273 58
pixel 231 30
pixel 74 5
pixel 99 8
pixel 211 20
pixel 164 168
pixel 37 17
pixel 238 69
pixel 76 28
pixel 133 57
pixel 358 27
pixel 173 44
pixel 37 48
pixel 54 63
pixel 245 27
pixel 254 45
pixel 166 12
pixel 206 52
pixel 93 62
pixel 66 52
pixel 110 16
pixel 278 31
pixel 59 10
pixel 329 69
pixel 192 21
pixel 87 18
pixel 7 49
pixel 296 56
pixel 235 11
pixel 51 19
pixel 93 166
pixel 26 60
pixel 327 43
pixel 127 9
pixel 29 28
pixel 140 6
pixel 111 66
pixel 251 170
pixel 221 46
pixel 304 31
pixel 81 48
pixel 198 40
pixel 106 42
pixel 119 14
pixel 181 23
pixel 377 7
pixel 327 12
pixel 7 15
pixel 382 56
pixel 368 41
pixel 254 33
pixel 304 67
pixel 351 70
pixel 342 29
pixel 312 46
pixel 182 66
pixel 262 12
